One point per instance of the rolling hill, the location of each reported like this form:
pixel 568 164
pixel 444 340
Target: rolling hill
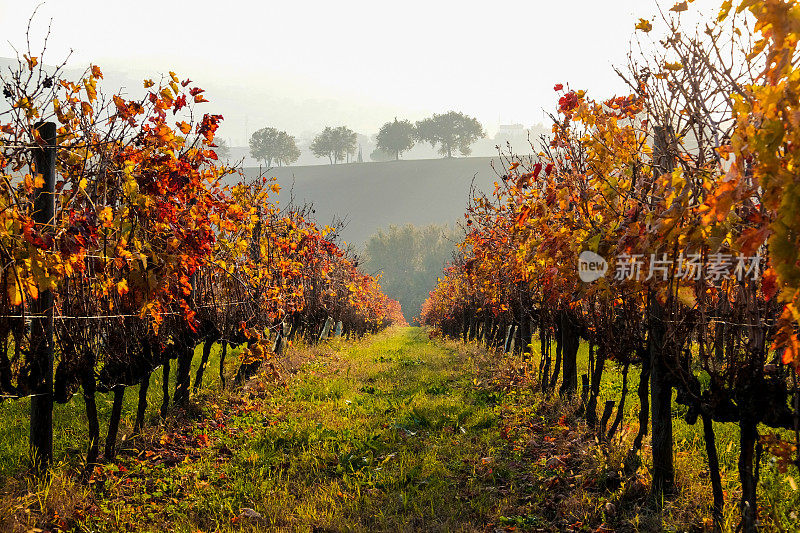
pixel 374 195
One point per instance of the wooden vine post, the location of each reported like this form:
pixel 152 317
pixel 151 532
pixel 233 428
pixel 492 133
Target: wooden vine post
pixel 660 386
pixel 41 429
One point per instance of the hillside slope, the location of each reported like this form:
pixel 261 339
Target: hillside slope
pixel 375 195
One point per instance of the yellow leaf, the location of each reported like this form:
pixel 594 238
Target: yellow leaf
pixel 673 66
pixel 644 25
pixel 14 294
pixel 122 287
pixel 686 296
pixel 724 10
pixel 185 127
pixel 33 288
pixel 90 85
pixel 148 84
pixel 82 184
pixel 593 243
pixel 38 181
pixel 105 214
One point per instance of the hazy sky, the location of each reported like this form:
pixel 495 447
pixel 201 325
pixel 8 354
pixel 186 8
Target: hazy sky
pixel 301 65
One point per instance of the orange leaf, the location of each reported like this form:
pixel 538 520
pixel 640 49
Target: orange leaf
pixel 680 6
pixel 791 352
pixel 32 61
pixel 752 238
pixel 523 215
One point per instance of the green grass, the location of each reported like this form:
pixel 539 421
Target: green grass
pixel 362 438
pixel 69 420
pixel 396 432
pixel 780 502
pixel 365 442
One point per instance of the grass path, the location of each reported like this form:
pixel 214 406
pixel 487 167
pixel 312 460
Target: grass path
pixel 396 432
pixel 392 433
pixel 402 433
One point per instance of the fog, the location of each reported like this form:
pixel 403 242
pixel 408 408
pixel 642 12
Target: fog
pixel 300 66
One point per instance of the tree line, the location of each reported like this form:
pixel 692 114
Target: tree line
pixel 409 260
pixel 452 132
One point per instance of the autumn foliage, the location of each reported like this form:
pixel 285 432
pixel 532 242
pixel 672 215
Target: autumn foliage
pixel 691 182
pixel 155 247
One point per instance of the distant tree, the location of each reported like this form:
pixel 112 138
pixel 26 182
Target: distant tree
pixel 222 150
pixel 322 145
pixel 411 259
pixel 337 144
pixel 346 141
pixel 288 152
pixel 270 144
pixel 396 137
pixel 379 155
pixel 451 131
pixel 264 145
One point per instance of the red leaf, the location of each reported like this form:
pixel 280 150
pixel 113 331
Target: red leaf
pixel 769 284
pixel 524 213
